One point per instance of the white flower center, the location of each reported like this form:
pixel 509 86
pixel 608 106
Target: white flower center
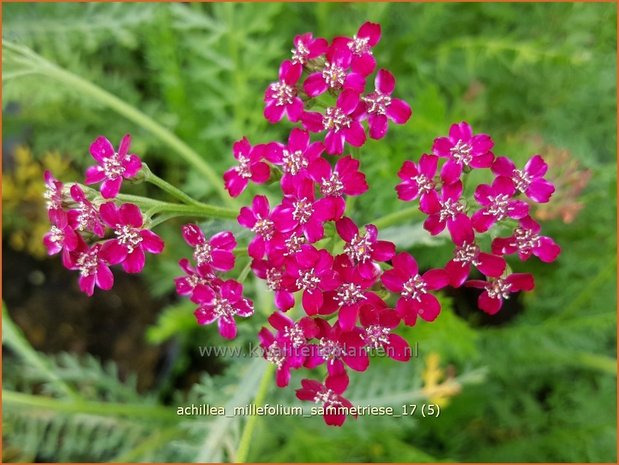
pixel 328 398
pixel 88 262
pixel 283 93
pixel 243 169
pixel 308 280
pixel 462 152
pixel 414 288
pixel 295 335
pixel 300 53
pixel 275 354
pixel 334 118
pixel 293 162
pixel 294 243
pixel 499 206
pixel 222 307
pixel 332 187
pixel 303 209
pixel 333 75
pixel 349 294
pixel 112 167
pixel 359 45
pixel 329 349
pixel 497 289
pixel 202 253
pixel 526 240
pixel 424 184
pixel 522 180
pixel 274 279
pixel 56 235
pixel 376 336
pixel 128 236
pixel 377 103
pixel 359 248
pixel 450 209
pixel 467 253
pixel 264 227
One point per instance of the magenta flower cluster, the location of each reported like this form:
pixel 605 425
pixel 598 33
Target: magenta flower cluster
pixel 352 289
pixel 93 235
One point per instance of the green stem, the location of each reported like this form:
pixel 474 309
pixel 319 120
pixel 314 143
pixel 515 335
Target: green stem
pixel 79 84
pixel 144 411
pixel 201 209
pixel 167 187
pixel 250 425
pixel 397 217
pixel 241 252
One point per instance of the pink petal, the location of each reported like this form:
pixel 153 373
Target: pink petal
pixel 428 165
pixel 399 111
pixel 441 147
pixel 273 112
pixel 312 301
pixel 87 284
pixel 227 327
pixel 334 142
pixel 491 265
pixel 130 214
pixel 482 221
pixel 384 82
pixel 407 311
pixel 488 304
pixel 348 101
pixel 113 253
pixel 518 209
pixel 347 317
pixel 134 263
pixel 364 64
pixel 315 85
pixel 205 315
pixel 101 149
pixel 371 31
pixel 234 183
pixel 223 240
pixel 94 174
pixel 436 279
pixel 503 166
pixel 123 148
pixel 383 251
pixel 246 217
pixel 104 277
pixel 132 164
pixel 547 250
pixel 434 225
pixel 451 171
pixel 536 167
pixel 460 228
pixel 429 308
pixel 111 187
pixel 346 228
pixel 355 82
pixel 405 264
pixel 290 72
pixel 457 272
pixel 378 126
pixel 312 121
pixel 461 131
pixel 282 376
pixel 284 300
pixel 540 190
pixel 355 135
pixel 295 109
pixel 151 241
pixel 521 282
pixel 337 382
pixel 260 172
pixel 398 348
pixel 482 143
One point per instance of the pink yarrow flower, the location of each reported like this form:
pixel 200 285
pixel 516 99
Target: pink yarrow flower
pixel 61 236
pixel 222 304
pixel 418 180
pixel 527 241
pixel 306 48
pixel 529 180
pixel 414 289
pixel 339 122
pixel 266 224
pixel 86 217
pixel 467 254
pixel 132 240
pixel 378 323
pixel 497 204
pixel 187 284
pixel 281 97
pixel 360 46
pixel 334 75
pixel 277 281
pixel 334 405
pixel 446 211
pixel 250 168
pixel 499 289
pixel 313 273
pixel 344 179
pixel 112 166
pixel 93 268
pixel 463 149
pixel 364 249
pixel 295 158
pixel 380 106
pixel 215 252
pixel 309 214
pixel 53 193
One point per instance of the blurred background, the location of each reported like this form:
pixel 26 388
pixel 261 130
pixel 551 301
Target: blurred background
pixel 99 379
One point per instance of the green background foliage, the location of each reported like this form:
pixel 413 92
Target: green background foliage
pixel 538 380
